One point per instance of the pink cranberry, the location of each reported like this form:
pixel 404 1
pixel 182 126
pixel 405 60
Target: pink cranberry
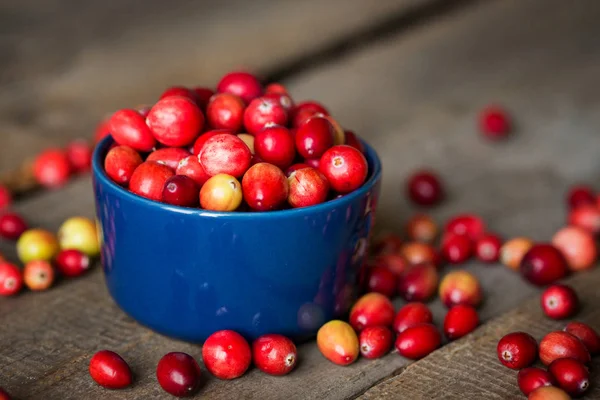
pixel 375 341
pixel 226 354
pixel 381 280
pixel 51 168
pixel 560 301
pixel 586 217
pixel 412 314
pixel 283 98
pixel 460 320
pixel 352 140
pixel 148 180
pixel 295 167
pixel 307 187
pixel 578 246
pixel 425 189
pixel 79 153
pixel 264 187
pixel 175 121
pixel 517 350
pixel 120 163
pixel 302 112
pixel 543 264
pixel 178 374
pixel 225 111
pixel 109 370
pixel 181 190
pixel 456 249
pixel 314 137
pixel 225 154
pixel 169 156
pixel 559 344
pixel 580 195
pixel 263 112
pixel 532 378
pixel 344 167
pixel 129 128
pixel 487 248
pixel 5 197
pixel 588 336
pixel 274 354
pixel 12 225
pixel 494 123
pixel 275 145
pixel 191 167
pixel 418 341
pixel 242 84
pixel 179 91
pixel 203 96
pixel 199 143
pixel 11 279
pixel 571 375
pixel 72 262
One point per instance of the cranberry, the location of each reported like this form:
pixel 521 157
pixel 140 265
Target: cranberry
pixel 586 217
pixel 199 143
pixel 512 252
pixel 221 192
pixel 149 178
pixel 38 275
pixel 422 228
pixel 344 167
pixel 282 98
pixel 264 187
pixel 578 246
pixel 169 156
pixel 425 189
pixel 178 374
pixel 487 248
pixel 295 167
pixel 548 393
pixel 466 224
pixel 412 314
pixel 494 123
pixel 109 370
pixel 456 249
pixel 419 283
pixel 313 162
pixel 263 112
pixel 11 280
pixel 129 128
pixel 561 344
pixel 5 197
pixel 352 140
pixel 372 309
pixel 274 354
pixel 532 378
pixel 314 137
pixel 517 350
pixel 12 225
pixel 226 354
pixel 543 264
pixel 72 262
pixel 181 190
pixel 248 139
pixel 225 154
pixel 37 244
pixel 242 84
pixel 191 167
pixel 375 341
pixel 560 302
pixel 175 121
pixel 419 253
pixel 276 88
pixel 203 96
pixel 307 187
pixel 460 287
pixel 381 280
pixel 460 321
pixel 225 111
pixel 418 341
pixel 338 343
pixel 302 112
pixel 51 168
pixel 120 163
pixel 275 145
pixel 580 195
pixel 571 375
pixel 79 153
pixel 588 336
pixel 393 262
pixel 79 233
pixel 387 244
pixel 179 91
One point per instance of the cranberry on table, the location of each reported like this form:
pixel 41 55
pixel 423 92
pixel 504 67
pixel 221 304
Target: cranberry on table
pixel 494 123
pixel 221 192
pixel 38 275
pixel 51 168
pixel 548 393
pixel 421 228
pixel 79 233
pixel 372 309
pixel 11 280
pixel 295 167
pixel 338 343
pixel 242 84
pixel 418 283
pixel 417 253
pixel 418 341
pixel 512 252
pixel 572 376
pixel 179 91
pixel 226 354
pixel 5 197
pixel 517 350
pixel 191 167
pixel 178 374
pixel 201 140
pixel 109 370
pixel 588 336
pixel 263 112
pixel 129 128
pixel 225 154
pixel 412 314
pixel 460 287
pixel 307 187
pixel 456 249
pixel 12 225
pixel 225 111
pixel 559 301
pixel 460 320
pixel 175 121
pixel 120 163
pixel 274 354
pixel 532 378
pixel 149 178
pixel 203 96
pixel 580 195
pixel 264 187
pixel 393 262
pixel 181 190
pixel 79 154
pixel 425 189
pixel 314 137
pixel 381 280
pixel 169 156
pixel 352 140
pixel 344 167
pixel 466 224
pixel 37 244
pixel 72 262
pixel 275 145
pixel 305 110
pixel 578 246
pixel 586 217
pixel 561 344
pixel 487 248
pixel 375 341
pixel 543 264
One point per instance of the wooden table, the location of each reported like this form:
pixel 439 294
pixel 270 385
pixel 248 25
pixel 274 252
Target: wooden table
pixel 408 76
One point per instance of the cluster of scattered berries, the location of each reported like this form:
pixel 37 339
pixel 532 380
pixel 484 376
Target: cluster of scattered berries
pixel 53 167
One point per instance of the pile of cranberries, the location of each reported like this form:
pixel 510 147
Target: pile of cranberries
pixel 238 148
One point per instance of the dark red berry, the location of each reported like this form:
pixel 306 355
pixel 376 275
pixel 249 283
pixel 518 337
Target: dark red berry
pixel 517 350
pixel 314 137
pixel 109 370
pixel 425 189
pixel 225 111
pixel 79 153
pixel 344 167
pixel 460 321
pixel 559 301
pixel 129 128
pixel 532 378
pixel 203 96
pixel 275 145
pixel 588 336
pixel 264 187
pixel 494 123
pixel 72 262
pixel 242 84
pixel 412 314
pixel 178 374
pixel 181 190
pixel 418 283
pixel 381 280
pixel 295 167
pixel 226 354
pixel 120 163
pixel 418 341
pixel 456 249
pixel 580 195
pixel 51 168
pixel 302 112
pixel 571 375
pixel 11 279
pixel 375 341
pixel 148 180
pixel 543 264
pixel 12 225
pixel 352 140
pixel 487 248
pixel 175 121
pixel 274 354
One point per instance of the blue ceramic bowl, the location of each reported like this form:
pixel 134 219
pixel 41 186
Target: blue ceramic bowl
pixel 187 273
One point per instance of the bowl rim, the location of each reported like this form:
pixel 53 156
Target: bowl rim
pixel 99 174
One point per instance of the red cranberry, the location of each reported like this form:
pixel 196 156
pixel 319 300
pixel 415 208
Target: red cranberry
pixel 494 123
pixel 314 137
pixel 487 248
pixel 109 370
pixel 51 168
pixel 372 309
pixel 129 128
pixel 302 112
pixel 313 162
pixel 418 341
pixel 571 375
pixel 175 121
pixel 263 112
pixel 586 217
pixel 276 88
pixel 12 225
pixel 375 341
pixel 352 140
pixel 275 145
pixel 225 154
pixel 307 187
pixel 265 187
pixel 460 321
pixel 456 249
pixel 344 167
pixel 532 378
pixel 295 167
pixel 120 163
pixel 420 253
pixel 11 280
pixel 226 354
pixel 191 167
pixel 5 197
pixel 543 264
pixel 460 287
pixel 561 344
pixel 517 350
pixel 466 224
pixel 421 228
pixel 560 302
pixel 149 179
pixel 203 96
pixel 274 354
pixel 393 262
pixel 283 98
pixel 588 336
pixel 225 111
pixel 425 188
pixel 412 314
pixel 580 195
pixel 242 84
pixel 179 91
pixel 419 283
pixel 199 143
pixel 178 374
pixel 79 153
pixel 72 262
pixel 578 246
pixel 169 156
pixel 181 190
pixel 381 280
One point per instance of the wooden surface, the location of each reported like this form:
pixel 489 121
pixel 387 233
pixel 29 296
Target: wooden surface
pixel 414 97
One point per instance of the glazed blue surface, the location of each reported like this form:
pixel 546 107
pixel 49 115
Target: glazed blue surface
pixel 187 273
